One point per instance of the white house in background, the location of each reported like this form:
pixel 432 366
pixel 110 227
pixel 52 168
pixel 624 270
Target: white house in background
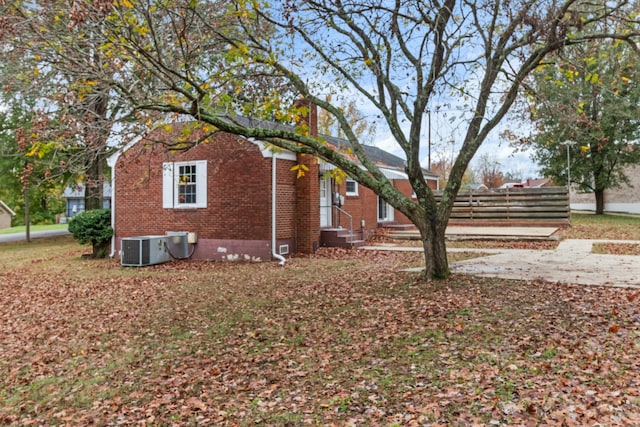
pixel 5 215
pixel 74 196
pixel 625 199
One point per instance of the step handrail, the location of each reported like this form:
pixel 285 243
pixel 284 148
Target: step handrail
pixel 350 223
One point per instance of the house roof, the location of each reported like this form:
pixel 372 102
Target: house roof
pixel 537 183
pixel 77 191
pixel 392 166
pixel 476 186
pixel 373 153
pixel 6 208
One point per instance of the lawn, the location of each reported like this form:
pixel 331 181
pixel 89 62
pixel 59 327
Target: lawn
pixel 609 226
pixel 338 338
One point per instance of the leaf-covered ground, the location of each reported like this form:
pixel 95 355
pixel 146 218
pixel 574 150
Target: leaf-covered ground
pixel 617 248
pixel 341 338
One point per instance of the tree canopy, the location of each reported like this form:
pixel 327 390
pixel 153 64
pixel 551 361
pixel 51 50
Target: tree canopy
pixel 585 105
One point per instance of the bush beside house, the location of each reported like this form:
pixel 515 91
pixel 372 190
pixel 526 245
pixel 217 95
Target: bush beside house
pixel 93 228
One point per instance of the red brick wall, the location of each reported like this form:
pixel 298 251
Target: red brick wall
pixel 405 187
pixel 285 200
pixel 364 206
pixel 308 193
pixel 308 206
pixel 237 220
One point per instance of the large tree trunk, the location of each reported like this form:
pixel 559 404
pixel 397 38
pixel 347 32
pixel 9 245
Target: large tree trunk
pixel 435 250
pixel 599 201
pixel 95 135
pixel 27 214
pixel 94 180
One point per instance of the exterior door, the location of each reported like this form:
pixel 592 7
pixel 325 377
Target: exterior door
pixel 385 211
pixel 325 203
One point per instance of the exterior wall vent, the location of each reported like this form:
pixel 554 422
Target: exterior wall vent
pixel 283 249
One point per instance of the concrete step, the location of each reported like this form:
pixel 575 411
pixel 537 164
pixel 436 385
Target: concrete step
pixel 340 237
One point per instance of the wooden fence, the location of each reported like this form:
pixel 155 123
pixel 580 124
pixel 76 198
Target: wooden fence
pixel 512 206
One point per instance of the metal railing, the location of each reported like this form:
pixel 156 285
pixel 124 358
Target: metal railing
pixel 350 223
pixel 347 214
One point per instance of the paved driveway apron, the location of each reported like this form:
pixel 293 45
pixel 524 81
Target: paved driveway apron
pixel 571 262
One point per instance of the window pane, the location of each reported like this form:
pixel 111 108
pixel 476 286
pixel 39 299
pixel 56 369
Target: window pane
pixel 187 184
pixel 351 186
pixel 382 209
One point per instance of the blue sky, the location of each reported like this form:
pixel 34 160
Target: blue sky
pixel 442 133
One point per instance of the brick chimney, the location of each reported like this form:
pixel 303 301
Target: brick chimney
pixel 308 191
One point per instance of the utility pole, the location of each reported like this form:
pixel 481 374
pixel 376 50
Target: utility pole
pixel 429 129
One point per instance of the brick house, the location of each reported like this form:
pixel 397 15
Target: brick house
pixel 242 199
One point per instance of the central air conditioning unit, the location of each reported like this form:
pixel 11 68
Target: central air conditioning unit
pixel 144 250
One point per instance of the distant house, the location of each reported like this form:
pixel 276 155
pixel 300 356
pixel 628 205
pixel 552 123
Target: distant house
pixel 242 200
pixel 538 183
pixel 529 183
pixel 474 186
pixel 74 196
pixel 5 215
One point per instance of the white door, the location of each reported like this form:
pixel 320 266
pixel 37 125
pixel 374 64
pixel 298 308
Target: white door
pixel 325 203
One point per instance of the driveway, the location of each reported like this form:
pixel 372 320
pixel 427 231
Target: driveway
pixel 17 237
pixel 571 262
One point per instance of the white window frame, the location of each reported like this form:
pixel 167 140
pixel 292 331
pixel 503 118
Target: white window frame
pixel 387 215
pixel 170 185
pixel 355 191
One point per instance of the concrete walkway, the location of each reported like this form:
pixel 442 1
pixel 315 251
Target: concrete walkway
pixel 458 232
pixel 571 262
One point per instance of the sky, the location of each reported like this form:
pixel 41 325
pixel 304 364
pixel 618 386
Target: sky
pixel 443 133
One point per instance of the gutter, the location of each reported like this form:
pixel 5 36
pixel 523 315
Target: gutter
pixel 273 212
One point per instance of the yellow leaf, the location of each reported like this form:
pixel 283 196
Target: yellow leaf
pixel 301 169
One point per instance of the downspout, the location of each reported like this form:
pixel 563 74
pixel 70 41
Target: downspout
pixel 273 212
pixel 111 162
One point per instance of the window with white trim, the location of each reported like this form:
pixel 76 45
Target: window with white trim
pixel 351 187
pixel 385 211
pixel 184 184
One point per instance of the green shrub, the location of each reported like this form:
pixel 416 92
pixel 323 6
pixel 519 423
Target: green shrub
pixel 93 228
